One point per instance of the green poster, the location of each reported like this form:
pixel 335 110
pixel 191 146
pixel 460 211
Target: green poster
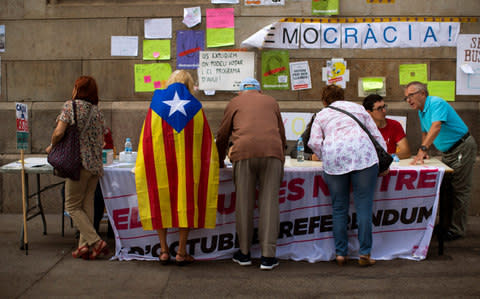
pixel 442 89
pixel 412 72
pixel 275 69
pixel 220 37
pixel 149 77
pixel 156 49
pixel 372 83
pixel 324 7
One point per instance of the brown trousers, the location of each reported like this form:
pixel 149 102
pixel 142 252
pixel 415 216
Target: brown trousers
pixel 267 172
pixel 79 204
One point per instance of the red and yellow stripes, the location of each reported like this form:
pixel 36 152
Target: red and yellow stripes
pixel 177 174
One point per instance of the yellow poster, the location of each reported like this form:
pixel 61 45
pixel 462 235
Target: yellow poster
pixel 149 77
pixel 220 37
pixel 156 49
pixel 412 72
pixel 442 89
pixel 372 83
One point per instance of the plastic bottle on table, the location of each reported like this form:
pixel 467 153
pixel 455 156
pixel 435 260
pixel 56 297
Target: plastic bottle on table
pixel 395 158
pixel 128 146
pixel 300 150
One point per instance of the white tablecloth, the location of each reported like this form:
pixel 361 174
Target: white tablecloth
pixel 404 212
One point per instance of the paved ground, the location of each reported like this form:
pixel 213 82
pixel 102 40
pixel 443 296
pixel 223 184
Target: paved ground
pixel 49 271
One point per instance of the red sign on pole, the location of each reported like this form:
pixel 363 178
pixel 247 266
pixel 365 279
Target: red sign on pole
pixel 22 125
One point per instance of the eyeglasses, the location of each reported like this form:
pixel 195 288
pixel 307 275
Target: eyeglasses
pixel 380 108
pixel 411 95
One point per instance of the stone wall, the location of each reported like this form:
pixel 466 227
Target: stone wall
pixel 50 43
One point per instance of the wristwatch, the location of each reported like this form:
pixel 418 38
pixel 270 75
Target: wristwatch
pixel 423 148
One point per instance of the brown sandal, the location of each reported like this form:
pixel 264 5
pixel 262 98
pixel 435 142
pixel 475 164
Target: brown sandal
pixel 184 259
pixel 164 261
pixel 365 261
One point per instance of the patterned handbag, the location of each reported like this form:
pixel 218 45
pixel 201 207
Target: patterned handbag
pixel 65 155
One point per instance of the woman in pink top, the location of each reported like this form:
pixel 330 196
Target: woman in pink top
pixel 349 159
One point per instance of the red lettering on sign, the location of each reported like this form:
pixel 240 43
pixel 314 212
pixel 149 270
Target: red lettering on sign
pixel 295 186
pixel 385 180
pixel 120 218
pixel 22 125
pixel 134 220
pixel 222 201
pixel 282 192
pixel 319 183
pixel 406 178
pixel 428 178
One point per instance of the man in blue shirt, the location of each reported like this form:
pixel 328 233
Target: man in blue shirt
pixel 442 127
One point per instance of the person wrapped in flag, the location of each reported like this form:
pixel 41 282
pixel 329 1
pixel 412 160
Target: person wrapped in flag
pixel 177 168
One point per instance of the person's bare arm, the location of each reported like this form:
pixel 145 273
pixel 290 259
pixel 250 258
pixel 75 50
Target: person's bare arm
pixel 57 134
pixel 427 140
pixel 403 149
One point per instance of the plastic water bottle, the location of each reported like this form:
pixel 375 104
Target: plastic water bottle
pixel 300 150
pixel 128 146
pixel 395 158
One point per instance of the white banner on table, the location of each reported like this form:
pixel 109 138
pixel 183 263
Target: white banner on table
pixel 404 212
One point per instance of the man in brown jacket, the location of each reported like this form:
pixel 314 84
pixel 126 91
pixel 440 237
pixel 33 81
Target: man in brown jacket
pixel 253 122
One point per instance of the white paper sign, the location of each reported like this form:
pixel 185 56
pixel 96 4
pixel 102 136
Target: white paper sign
pixel 21 112
pixel 287 36
pixel 224 70
pixel 331 36
pixel 158 28
pixel 336 72
pixel 467 69
pixel 124 46
pixel 300 75
pixel 468 64
pixel 401 119
pixel 192 16
pixel 311 35
pixel 264 2
pixel 257 40
pixel 295 123
pixel 225 1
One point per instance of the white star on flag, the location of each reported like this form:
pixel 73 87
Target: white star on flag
pixel 177 104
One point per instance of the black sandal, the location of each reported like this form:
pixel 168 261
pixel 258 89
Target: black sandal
pixel 185 259
pixel 164 261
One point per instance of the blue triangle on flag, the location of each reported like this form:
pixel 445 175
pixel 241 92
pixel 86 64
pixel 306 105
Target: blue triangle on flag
pixel 176 105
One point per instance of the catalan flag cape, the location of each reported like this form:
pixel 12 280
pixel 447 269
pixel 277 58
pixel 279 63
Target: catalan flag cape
pixel 176 173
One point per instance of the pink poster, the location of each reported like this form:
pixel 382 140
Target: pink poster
pixel 220 18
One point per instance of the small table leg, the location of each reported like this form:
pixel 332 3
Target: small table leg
pixel 40 207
